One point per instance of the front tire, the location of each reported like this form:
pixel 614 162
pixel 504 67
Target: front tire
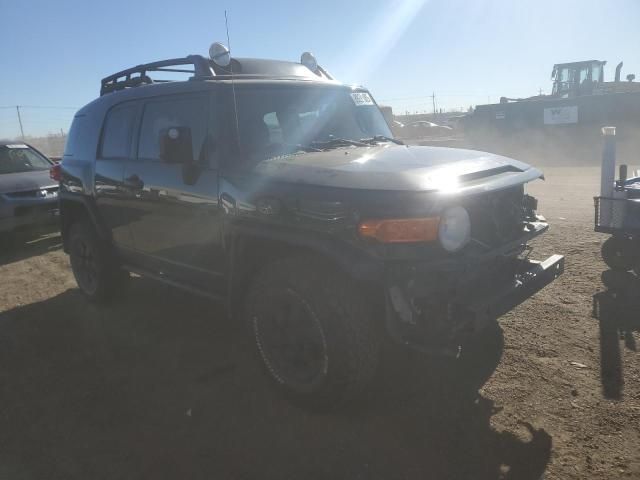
pixel 96 275
pixel 314 332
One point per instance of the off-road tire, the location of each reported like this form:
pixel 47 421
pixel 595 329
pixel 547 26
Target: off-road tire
pixel 343 313
pixel 618 253
pixel 107 280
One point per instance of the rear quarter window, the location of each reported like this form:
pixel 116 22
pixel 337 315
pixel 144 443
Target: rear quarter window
pixel 118 132
pixel 75 133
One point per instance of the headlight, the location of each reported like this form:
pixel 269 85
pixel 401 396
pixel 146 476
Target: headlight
pixel 455 229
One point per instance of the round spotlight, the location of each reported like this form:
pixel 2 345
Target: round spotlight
pixel 219 53
pixel 454 230
pixel 308 60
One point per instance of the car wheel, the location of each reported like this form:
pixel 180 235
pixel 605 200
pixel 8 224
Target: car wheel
pixel 618 253
pixel 314 332
pixel 97 277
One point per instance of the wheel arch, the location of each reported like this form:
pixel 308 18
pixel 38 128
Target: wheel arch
pixel 251 249
pixel 74 207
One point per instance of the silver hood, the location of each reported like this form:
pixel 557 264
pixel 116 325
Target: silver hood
pixel 400 167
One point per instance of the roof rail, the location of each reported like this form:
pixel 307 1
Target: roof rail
pixel 136 76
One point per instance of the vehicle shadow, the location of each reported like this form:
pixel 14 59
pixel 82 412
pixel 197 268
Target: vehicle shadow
pixel 618 311
pixel 28 244
pixel 163 385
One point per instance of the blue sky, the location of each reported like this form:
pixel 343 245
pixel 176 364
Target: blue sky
pixel 53 54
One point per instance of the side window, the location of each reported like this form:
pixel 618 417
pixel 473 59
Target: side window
pixel 116 136
pixel 74 135
pixel 161 115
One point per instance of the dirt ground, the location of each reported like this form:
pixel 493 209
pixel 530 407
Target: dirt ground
pixel 164 386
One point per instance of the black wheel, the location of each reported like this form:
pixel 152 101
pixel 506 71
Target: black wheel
pixel 96 275
pixel 314 332
pixel 619 253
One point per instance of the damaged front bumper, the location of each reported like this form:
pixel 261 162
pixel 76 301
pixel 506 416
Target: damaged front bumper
pixel 431 307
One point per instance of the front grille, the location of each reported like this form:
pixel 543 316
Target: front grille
pixel 40 193
pixel 496 218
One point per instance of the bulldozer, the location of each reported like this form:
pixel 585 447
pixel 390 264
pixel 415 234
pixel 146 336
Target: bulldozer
pixel 562 127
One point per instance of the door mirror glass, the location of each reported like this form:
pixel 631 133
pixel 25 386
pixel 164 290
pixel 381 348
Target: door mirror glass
pixel 176 146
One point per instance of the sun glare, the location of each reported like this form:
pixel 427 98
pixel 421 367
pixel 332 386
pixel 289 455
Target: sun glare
pixel 371 46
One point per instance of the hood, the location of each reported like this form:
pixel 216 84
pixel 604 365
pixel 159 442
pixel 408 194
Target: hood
pixel 25 181
pixel 400 168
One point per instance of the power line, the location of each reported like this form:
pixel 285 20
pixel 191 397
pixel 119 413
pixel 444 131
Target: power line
pixel 53 107
pixel 418 97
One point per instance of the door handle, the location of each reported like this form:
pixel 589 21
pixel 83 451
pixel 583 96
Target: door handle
pixel 134 182
pixel 228 203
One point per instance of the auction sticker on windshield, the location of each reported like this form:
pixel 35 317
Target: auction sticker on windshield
pixel 361 98
pixel 18 145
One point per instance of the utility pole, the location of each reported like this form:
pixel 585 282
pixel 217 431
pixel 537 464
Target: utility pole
pixel 20 121
pixel 433 101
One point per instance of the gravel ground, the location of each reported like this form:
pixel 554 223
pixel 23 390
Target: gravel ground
pixel 163 385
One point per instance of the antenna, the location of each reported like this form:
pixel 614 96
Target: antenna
pixel 233 84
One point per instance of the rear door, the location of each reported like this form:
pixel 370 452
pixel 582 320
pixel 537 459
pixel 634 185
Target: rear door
pixel 115 149
pixel 177 228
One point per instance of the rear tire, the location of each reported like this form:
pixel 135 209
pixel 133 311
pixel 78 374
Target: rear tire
pixel 619 253
pixel 314 332
pixel 98 278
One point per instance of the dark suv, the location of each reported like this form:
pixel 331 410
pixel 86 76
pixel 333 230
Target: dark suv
pixel 272 187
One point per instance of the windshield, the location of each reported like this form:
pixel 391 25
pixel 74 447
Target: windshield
pixel 20 158
pixel 280 120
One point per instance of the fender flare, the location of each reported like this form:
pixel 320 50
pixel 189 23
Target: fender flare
pixel 354 261
pixel 89 207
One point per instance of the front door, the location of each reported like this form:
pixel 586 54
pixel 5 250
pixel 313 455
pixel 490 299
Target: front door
pixel 175 221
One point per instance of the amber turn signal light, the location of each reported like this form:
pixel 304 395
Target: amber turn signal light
pixel 401 230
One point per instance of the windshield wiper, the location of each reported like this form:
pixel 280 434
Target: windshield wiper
pixel 337 142
pixel 381 138
pixel 306 148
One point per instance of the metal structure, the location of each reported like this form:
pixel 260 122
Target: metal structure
pixel 617 210
pixel 577 78
pixel 202 68
pixel 561 124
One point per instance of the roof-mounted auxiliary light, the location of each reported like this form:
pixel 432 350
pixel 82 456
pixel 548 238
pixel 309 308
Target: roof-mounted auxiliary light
pixel 309 60
pixel 219 53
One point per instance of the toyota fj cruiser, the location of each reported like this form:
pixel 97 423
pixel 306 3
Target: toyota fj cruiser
pixel 276 189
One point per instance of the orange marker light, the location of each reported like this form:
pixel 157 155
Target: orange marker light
pixel 401 230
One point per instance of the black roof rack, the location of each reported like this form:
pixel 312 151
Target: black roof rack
pixel 135 76
pixel 204 69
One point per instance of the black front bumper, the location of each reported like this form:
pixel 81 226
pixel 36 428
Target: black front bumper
pixel 531 277
pixel 431 311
